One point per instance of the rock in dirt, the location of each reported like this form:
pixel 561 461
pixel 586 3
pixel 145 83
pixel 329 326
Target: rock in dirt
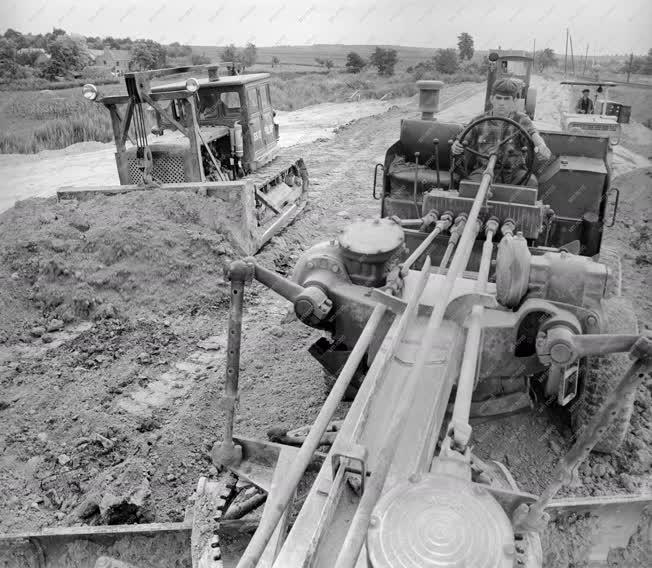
pixel 277 331
pixel 213 343
pixel 144 358
pixel 599 470
pixel 55 325
pixel 119 495
pixel 37 331
pixel 63 459
pixel 47 338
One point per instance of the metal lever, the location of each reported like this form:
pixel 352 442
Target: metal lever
pixel 435 141
pixel 416 181
pixel 228 453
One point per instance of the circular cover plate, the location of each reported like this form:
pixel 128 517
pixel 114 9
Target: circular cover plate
pixel 439 521
pixel 371 236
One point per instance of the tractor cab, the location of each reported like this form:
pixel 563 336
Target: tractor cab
pixel 567 210
pixel 516 65
pixel 234 116
pixel 607 115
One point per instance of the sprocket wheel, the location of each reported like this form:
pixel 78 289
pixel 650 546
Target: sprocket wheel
pixel 213 498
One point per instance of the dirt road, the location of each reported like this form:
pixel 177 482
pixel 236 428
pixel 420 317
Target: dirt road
pixel 148 381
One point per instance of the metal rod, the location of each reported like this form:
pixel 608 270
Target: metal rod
pixel 436 142
pixel 485 260
pixel 282 286
pixel 279 500
pixel 441 225
pixel 591 435
pixel 466 382
pixel 416 181
pixel 357 532
pixel 233 357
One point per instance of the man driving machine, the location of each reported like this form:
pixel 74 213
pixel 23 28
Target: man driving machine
pixel 510 136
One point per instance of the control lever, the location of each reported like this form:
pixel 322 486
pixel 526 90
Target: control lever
pixel 436 143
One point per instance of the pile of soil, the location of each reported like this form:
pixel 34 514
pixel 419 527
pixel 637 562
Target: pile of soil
pixel 132 254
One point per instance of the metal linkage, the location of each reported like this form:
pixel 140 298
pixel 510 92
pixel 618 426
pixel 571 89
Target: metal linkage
pixel 460 428
pixel 279 500
pixel 355 537
pixel 441 225
pixel 456 231
pixel 641 353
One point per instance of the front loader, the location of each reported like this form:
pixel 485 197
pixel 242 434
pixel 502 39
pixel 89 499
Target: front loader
pixel 215 136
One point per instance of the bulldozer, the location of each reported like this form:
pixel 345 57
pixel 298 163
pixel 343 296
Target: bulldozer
pixel 215 136
pixel 461 300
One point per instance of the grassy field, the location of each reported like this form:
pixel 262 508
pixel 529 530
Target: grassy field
pixel 294 56
pixel 31 121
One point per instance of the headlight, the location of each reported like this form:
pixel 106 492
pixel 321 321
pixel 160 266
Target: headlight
pixel 192 85
pixel 89 91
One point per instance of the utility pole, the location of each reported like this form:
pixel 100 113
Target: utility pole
pixel 629 67
pixel 586 57
pixel 566 54
pixel 572 56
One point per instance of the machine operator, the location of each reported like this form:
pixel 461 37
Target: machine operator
pixel 511 166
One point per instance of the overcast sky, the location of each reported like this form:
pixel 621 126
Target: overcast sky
pixel 608 26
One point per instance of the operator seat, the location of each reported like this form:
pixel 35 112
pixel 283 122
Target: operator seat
pixel 417 136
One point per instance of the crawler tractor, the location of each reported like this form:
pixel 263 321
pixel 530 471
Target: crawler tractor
pixel 462 299
pixel 216 136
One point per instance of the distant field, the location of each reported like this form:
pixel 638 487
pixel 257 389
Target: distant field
pixel 305 55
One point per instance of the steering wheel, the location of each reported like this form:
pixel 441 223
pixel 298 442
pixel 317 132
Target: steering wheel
pixel 529 160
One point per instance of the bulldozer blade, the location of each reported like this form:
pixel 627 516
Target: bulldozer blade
pixel 607 531
pixel 154 545
pixel 236 216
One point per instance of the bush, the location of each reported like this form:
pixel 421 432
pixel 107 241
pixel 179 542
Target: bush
pixel 446 61
pixel 384 60
pixel 354 63
pixel 198 59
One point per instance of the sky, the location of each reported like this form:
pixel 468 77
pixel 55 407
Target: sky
pixel 607 26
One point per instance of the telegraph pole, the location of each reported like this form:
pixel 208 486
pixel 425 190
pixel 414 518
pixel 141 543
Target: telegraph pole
pixel 572 56
pixel 629 67
pixel 586 57
pixel 566 54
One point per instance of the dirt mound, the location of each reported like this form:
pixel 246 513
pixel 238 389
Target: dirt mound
pixel 131 254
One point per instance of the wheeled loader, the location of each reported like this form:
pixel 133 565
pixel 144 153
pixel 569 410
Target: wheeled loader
pixel 607 116
pixel 215 136
pixel 463 299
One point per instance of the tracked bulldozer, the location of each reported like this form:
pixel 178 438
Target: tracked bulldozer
pixel 463 299
pixel 215 136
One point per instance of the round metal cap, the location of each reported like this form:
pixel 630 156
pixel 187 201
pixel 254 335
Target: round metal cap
pixel 371 237
pixel 439 521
